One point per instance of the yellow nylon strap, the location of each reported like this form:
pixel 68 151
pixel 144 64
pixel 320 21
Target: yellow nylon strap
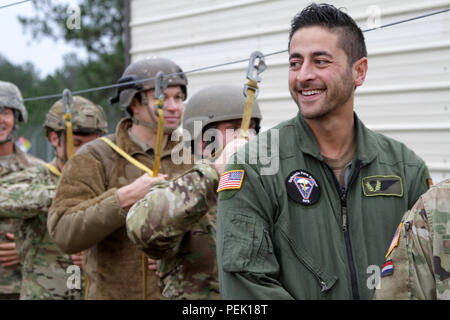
pixel 246 117
pixel 158 149
pixel 127 156
pixel 69 135
pixel 159 141
pixel 53 169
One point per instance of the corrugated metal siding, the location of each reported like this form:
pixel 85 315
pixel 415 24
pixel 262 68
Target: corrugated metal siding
pixel 407 91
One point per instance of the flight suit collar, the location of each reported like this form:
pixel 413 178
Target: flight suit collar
pixel 366 141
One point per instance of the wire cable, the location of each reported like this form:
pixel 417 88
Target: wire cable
pixel 112 86
pixel 13 4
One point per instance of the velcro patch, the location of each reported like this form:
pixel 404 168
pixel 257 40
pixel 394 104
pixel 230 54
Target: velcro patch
pixel 382 186
pixel 231 180
pixel 303 188
pixel 394 241
pixel 387 269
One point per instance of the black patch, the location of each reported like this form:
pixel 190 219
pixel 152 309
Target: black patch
pixel 303 188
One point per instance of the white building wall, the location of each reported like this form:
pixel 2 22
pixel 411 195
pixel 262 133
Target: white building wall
pixel 407 90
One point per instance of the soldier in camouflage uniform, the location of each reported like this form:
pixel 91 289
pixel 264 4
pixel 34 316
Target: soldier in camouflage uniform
pixel 176 220
pixel 99 185
pixel 27 195
pixel 12 159
pixel 418 261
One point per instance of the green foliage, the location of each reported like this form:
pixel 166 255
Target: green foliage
pixel 100 35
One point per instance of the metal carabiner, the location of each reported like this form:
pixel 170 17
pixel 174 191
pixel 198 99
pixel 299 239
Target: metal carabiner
pixel 252 68
pixel 67 101
pixel 160 87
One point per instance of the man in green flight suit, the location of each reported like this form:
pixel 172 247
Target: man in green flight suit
pixel 320 200
pixel 27 195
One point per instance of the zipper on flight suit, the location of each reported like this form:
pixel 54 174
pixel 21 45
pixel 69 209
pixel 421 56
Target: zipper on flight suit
pixel 342 192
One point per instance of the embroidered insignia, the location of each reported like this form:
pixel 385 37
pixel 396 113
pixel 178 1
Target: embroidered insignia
pixel 303 188
pixel 387 269
pixel 382 186
pixel 394 241
pixel 231 180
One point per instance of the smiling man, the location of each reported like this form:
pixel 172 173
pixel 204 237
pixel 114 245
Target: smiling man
pixel 26 196
pixel 312 229
pixel 12 159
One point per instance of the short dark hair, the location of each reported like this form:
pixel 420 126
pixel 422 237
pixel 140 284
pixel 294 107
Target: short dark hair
pixel 328 16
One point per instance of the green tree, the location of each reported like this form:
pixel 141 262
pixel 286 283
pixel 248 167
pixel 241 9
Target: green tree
pixel 100 34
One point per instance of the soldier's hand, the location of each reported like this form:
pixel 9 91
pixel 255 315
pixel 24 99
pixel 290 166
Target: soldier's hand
pixel 153 266
pixel 8 252
pixel 77 259
pixel 129 194
pixel 233 146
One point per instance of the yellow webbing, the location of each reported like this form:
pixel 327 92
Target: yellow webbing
pixel 53 169
pixel 69 135
pixel 158 149
pixel 127 156
pixel 246 117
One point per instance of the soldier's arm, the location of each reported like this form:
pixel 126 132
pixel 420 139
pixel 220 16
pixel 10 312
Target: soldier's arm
pixel 83 212
pixel 248 266
pixel 411 276
pixel 26 193
pixel 158 222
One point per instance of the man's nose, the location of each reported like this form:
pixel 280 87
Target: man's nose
pixel 306 72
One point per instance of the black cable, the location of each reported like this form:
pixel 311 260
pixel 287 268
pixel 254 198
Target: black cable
pixel 13 4
pixel 112 86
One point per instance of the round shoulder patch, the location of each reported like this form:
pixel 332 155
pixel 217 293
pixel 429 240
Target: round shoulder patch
pixel 302 187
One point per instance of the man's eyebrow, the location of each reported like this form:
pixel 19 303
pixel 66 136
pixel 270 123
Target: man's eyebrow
pixel 295 55
pixel 314 54
pixel 322 53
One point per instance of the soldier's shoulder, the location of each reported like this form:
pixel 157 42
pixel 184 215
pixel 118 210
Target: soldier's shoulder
pixel 393 151
pixel 98 148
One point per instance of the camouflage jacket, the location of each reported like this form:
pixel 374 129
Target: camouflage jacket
pixel 176 222
pixel 418 262
pixel 26 196
pixel 86 214
pixel 10 276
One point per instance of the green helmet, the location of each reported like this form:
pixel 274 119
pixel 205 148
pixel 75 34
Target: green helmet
pixel 87 117
pixel 10 97
pixel 215 104
pixel 145 69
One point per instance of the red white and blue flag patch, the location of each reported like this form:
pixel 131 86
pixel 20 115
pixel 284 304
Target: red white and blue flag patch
pixel 387 268
pixel 231 180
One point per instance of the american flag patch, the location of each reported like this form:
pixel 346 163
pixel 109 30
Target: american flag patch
pixel 394 241
pixel 231 180
pixel 387 268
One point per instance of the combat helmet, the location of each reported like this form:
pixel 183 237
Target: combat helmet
pixel 147 69
pixel 87 117
pixel 10 97
pixel 215 104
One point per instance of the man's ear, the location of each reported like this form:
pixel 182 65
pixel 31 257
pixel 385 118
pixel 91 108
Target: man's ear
pixel 53 138
pixel 134 105
pixel 359 71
